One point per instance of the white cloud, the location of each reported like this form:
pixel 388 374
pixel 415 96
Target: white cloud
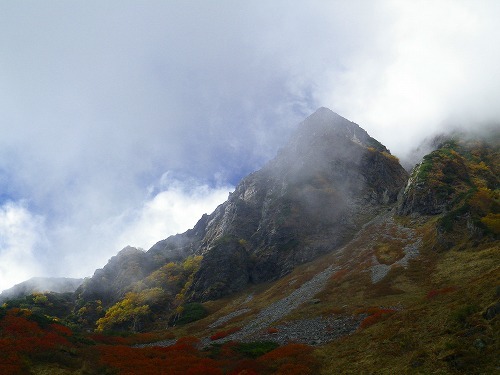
pixel 174 209
pixel 172 206
pixel 28 247
pixel 435 65
pixel 21 236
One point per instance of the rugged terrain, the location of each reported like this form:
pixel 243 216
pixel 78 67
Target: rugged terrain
pixel 332 245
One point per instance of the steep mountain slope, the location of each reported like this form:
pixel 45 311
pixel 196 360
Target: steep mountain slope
pixel 330 178
pixel 327 181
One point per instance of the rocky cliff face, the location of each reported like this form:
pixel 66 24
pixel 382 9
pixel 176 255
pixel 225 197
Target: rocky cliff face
pixel 329 179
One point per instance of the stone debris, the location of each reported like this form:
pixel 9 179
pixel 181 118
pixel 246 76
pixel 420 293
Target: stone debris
pixel 315 331
pixel 284 306
pixel 411 250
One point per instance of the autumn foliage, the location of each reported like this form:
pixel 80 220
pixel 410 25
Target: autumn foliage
pixel 221 334
pixel 21 336
pixel 181 358
pixel 375 315
pixel 27 338
pixel 290 359
pixel 186 357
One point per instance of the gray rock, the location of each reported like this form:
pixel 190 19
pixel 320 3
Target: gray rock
pixel 492 311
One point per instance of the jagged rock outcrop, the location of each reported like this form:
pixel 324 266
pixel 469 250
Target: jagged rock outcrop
pixel 330 178
pixel 459 181
pixel 434 182
pixel 447 174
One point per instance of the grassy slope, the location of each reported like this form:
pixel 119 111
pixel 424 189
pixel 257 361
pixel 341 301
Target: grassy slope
pixel 440 328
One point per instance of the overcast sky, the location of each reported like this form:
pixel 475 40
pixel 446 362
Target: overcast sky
pixel 122 122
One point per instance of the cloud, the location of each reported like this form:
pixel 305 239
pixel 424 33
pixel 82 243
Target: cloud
pixel 26 242
pixel 434 68
pixel 170 206
pixel 174 209
pixel 21 235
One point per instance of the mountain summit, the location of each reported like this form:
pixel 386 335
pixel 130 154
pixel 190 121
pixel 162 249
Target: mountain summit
pixel 330 178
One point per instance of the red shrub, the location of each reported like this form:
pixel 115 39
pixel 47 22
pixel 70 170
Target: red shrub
pixel 245 367
pixel 203 369
pixel 61 330
pixel 376 315
pixel 21 337
pixel 272 330
pixel 244 372
pixel 290 356
pixel 181 358
pixel 221 334
pixel 294 369
pixel 108 340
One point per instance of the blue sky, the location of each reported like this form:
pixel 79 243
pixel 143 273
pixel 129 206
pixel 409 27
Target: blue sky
pixel 123 121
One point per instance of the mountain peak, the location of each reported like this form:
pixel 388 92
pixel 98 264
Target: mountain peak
pixel 328 125
pixel 325 113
